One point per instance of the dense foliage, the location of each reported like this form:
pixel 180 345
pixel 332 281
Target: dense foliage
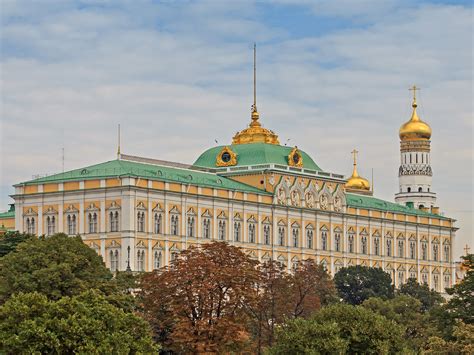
pixel 355 284
pixel 87 323
pixel 428 298
pixel 55 266
pixel 10 240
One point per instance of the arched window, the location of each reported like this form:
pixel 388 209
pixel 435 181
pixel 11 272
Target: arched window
pixel 158 219
pixel 309 239
pixel 424 278
pixel 446 253
pixel 30 225
pixel 114 221
pixel 447 281
pixel 92 217
pixel 376 245
pixel 190 226
pixel 281 236
pixel 141 260
pixel 71 224
pixel 408 189
pixel 324 240
pixel 237 231
pixel 435 252
pixel 350 243
pixel 401 249
pixel 412 249
pixel 389 247
pixel 114 260
pixel 295 237
pixel 363 244
pixel 222 230
pixel 141 221
pixel 206 228
pixel 337 241
pixel 424 250
pixel 157 260
pixel 420 189
pixel 401 278
pixel 174 224
pixel 51 225
pixel 251 233
pixel 266 235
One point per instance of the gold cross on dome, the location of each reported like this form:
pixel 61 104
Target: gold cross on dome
pixel 354 153
pixel 466 249
pixel 414 88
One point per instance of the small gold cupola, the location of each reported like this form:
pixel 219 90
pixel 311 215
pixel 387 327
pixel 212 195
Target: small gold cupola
pixel 255 133
pixel 357 183
pixel 415 128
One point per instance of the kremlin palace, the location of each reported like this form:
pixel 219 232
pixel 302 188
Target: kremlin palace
pixel 273 201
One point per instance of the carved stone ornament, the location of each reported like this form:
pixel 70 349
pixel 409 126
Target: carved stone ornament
pixel 323 202
pixel 271 180
pixel 295 158
pixel 415 170
pixel 295 198
pixel 281 196
pixel 337 204
pixel 309 200
pixel 226 157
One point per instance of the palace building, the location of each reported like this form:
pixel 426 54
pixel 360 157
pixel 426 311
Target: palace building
pixel 274 201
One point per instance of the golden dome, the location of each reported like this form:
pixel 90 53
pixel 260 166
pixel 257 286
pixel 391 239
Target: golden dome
pixel 357 182
pixel 255 133
pixel 415 128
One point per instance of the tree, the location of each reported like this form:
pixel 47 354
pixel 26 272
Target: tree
pixel 201 302
pixel 463 342
pixel 461 304
pixel 87 323
pixel 10 240
pixel 302 336
pixel 428 298
pixel 340 328
pixel 55 266
pixel 355 284
pixel 408 313
pixel 310 287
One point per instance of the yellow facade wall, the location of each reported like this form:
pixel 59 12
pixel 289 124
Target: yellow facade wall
pixel 159 185
pixel 71 185
pixel 91 184
pixel 112 182
pixel 31 189
pixel 175 187
pixel 8 223
pixel 142 183
pixel 50 187
pixel 206 191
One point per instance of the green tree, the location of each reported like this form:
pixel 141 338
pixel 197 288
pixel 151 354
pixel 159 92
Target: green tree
pixel 408 313
pixel 301 336
pixel 428 298
pixel 349 329
pixel 355 284
pixel 462 343
pixel 461 304
pixel 55 266
pixel 10 240
pixel 87 323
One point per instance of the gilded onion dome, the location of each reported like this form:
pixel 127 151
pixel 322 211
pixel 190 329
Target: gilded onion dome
pixel 255 133
pixel 415 128
pixel 357 182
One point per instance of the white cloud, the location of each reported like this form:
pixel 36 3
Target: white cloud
pixel 178 76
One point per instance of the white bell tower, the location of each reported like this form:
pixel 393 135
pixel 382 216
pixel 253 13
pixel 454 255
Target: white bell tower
pixel 415 173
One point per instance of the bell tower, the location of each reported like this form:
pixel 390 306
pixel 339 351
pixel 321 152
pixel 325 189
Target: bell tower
pixel 415 172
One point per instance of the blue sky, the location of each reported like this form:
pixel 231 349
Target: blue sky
pixel 332 75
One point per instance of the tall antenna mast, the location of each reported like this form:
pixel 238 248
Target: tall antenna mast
pixel 255 77
pixel 118 146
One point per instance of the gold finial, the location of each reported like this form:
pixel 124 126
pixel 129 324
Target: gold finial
pixel 414 88
pixel 255 116
pixel 466 249
pixel 118 146
pixel 354 154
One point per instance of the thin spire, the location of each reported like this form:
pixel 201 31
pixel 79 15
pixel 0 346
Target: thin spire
pixel 414 88
pixel 414 115
pixel 118 145
pixel 255 77
pixel 354 154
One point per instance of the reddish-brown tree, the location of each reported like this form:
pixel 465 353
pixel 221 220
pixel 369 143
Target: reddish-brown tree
pixel 200 304
pixel 272 307
pixel 311 286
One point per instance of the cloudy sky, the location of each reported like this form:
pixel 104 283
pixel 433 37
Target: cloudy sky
pixel 332 75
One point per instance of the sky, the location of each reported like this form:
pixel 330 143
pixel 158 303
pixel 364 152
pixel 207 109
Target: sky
pixel 177 75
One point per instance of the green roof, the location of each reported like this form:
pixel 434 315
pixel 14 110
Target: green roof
pixel 116 168
pixel 369 202
pixel 254 154
pixel 10 213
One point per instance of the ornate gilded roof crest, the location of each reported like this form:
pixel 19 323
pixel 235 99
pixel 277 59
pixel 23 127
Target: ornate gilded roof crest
pixel 226 157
